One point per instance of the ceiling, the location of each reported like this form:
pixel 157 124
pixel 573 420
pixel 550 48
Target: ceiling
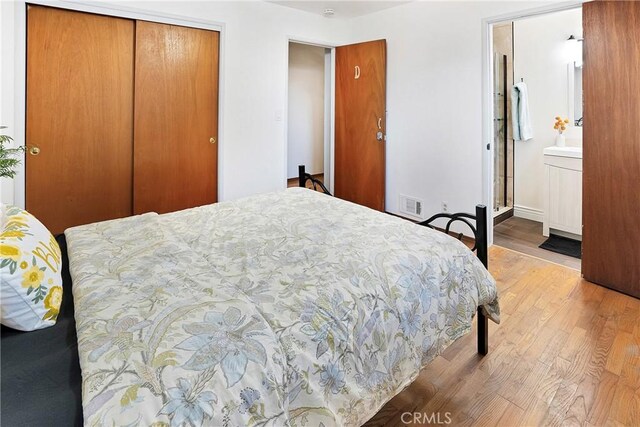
pixel 344 9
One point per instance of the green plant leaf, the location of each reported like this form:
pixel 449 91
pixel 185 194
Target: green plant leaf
pixel 8 160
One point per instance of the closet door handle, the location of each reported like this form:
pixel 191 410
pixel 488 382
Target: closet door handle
pixel 34 151
pixel 212 140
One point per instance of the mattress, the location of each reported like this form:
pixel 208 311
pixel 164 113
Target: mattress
pixel 41 382
pixel 285 308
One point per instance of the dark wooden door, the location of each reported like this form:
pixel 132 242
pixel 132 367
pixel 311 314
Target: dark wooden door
pixel 176 118
pixel 79 124
pixel 611 163
pixel 360 123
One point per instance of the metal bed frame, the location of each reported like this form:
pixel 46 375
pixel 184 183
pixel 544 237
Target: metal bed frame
pixel 303 177
pixel 480 246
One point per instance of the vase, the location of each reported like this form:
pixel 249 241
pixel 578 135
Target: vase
pixel 560 140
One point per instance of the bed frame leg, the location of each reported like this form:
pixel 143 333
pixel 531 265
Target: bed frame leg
pixel 483 333
pixel 302 176
pixel 482 243
pixel 483 253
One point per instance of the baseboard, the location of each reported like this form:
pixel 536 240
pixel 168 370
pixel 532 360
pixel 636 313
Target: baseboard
pixel 528 213
pixel 502 217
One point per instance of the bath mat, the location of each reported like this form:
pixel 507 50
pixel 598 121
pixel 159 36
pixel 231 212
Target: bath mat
pixel 563 245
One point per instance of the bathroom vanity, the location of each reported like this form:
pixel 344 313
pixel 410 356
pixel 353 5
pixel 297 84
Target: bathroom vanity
pixel 563 192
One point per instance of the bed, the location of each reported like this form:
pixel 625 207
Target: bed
pixel 283 308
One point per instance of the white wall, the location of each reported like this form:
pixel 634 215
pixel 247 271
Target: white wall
pixel 7 88
pixel 541 58
pixel 434 98
pixel 306 109
pixel 252 142
pixel 434 143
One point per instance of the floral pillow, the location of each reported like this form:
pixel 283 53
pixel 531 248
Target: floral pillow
pixel 30 277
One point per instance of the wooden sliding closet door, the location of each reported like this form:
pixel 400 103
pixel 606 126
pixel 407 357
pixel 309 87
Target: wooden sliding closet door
pixel 176 117
pixel 79 124
pixel 611 163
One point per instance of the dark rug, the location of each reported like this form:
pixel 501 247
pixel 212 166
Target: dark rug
pixel 563 245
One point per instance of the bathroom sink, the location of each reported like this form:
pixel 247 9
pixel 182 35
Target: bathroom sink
pixel 574 152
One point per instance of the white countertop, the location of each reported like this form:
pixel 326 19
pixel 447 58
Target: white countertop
pixel 573 152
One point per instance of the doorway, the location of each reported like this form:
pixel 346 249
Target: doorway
pixel 354 121
pixel 309 112
pixel 533 70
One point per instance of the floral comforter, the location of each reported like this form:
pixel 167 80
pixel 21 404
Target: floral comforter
pixel 290 308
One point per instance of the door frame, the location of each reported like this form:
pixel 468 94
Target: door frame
pixel 487 93
pixel 20 69
pixel 329 107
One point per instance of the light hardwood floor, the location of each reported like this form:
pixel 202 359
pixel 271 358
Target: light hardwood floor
pixel 567 352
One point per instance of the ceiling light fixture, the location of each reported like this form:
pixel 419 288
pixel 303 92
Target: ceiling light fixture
pixel 329 12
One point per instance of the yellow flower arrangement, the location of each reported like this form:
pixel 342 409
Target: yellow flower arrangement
pixel 52 302
pixel 32 278
pixel 561 124
pixel 10 251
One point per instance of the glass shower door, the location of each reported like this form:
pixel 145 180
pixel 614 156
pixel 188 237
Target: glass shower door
pixel 500 124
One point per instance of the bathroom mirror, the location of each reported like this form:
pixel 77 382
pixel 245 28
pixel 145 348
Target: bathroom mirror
pixel 574 97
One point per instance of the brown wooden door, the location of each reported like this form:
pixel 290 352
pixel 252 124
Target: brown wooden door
pixel 176 118
pixel 79 117
pixel 359 116
pixel 611 159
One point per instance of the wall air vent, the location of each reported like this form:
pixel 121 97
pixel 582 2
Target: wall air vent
pixel 410 205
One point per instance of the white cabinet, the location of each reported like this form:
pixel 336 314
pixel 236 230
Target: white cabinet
pixel 563 191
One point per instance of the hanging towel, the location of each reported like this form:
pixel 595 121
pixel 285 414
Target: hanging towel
pixel 520 117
